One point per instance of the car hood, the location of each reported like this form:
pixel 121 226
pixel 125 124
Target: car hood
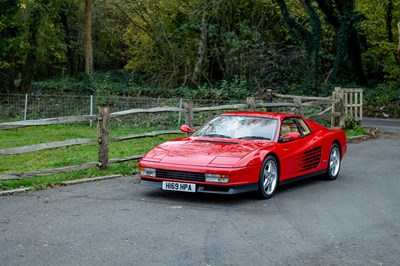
pixel 201 151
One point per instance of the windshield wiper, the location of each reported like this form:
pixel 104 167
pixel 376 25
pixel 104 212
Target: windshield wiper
pixel 254 137
pixel 216 136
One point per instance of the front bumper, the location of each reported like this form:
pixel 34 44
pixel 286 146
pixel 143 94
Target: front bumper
pixel 208 188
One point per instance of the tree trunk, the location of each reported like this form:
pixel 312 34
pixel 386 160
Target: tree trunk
pixel 389 19
pixel 398 47
pixel 355 55
pixel 342 43
pixel 30 61
pixel 310 38
pixel 7 76
pixel 87 37
pixel 198 68
pixel 68 43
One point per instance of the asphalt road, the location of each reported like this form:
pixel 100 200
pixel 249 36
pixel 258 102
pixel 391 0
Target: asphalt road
pixel 354 220
pixel 379 122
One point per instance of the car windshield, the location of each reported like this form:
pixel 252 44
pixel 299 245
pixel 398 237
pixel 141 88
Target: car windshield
pixel 240 127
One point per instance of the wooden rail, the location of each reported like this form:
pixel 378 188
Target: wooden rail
pixel 144 111
pixel 47 121
pixel 334 109
pixel 46 146
pixel 67 169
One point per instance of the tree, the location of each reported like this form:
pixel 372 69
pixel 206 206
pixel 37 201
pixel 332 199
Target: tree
pixel 9 31
pixel 311 38
pixel 389 20
pixel 33 41
pixel 380 23
pixel 87 37
pixel 398 46
pixel 342 16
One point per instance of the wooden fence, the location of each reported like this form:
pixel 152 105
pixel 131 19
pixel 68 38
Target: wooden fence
pixel 103 141
pixel 337 107
pixel 336 111
pixel 353 102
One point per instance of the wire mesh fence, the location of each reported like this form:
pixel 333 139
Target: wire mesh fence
pixel 17 107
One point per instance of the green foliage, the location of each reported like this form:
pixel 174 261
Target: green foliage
pixel 384 100
pixel 379 59
pixel 197 48
pixel 124 83
pixel 350 123
pixel 353 128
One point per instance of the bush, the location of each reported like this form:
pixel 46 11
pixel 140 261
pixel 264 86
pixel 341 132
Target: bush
pixel 383 100
pixel 124 83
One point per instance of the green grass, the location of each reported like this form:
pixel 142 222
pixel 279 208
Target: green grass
pixel 68 156
pixel 353 128
pixel 356 132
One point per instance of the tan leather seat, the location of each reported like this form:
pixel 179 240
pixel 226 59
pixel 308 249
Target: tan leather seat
pixel 285 130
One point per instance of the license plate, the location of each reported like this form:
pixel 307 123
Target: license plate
pixel 177 186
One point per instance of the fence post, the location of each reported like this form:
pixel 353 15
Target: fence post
pixel 26 106
pixel 338 93
pixel 342 110
pixel 189 114
pixel 251 103
pixel 269 99
pixel 103 134
pixel 91 109
pixel 361 104
pixel 299 107
pixel 180 113
pixel 333 119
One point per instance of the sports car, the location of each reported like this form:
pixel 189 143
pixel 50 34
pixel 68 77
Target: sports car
pixel 240 152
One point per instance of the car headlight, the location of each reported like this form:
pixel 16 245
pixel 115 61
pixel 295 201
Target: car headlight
pixel 148 172
pixel 217 178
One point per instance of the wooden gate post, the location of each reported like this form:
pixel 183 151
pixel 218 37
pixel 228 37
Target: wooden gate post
pixel 338 93
pixel 269 99
pixel 189 114
pixel 103 134
pixel 251 103
pixel 342 110
pixel 298 103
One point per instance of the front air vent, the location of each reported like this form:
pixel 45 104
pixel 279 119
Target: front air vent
pixel 178 175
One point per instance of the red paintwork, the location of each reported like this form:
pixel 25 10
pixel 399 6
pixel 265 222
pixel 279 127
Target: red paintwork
pixel 242 159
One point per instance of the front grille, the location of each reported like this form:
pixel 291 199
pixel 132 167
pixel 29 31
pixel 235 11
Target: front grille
pixel 190 176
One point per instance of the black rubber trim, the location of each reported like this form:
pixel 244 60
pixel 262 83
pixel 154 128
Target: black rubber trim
pixel 301 177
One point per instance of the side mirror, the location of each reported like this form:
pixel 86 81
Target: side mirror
pixel 291 136
pixel 187 129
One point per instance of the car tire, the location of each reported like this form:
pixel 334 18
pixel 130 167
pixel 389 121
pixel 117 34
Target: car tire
pixel 334 163
pixel 269 178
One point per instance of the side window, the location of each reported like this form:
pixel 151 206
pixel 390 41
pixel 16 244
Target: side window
pixel 288 126
pixel 303 126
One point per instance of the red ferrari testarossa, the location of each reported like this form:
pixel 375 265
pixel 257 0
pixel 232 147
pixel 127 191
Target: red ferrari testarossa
pixel 238 152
